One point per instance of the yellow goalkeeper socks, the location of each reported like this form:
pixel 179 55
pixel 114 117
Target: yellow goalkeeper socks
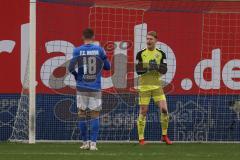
pixel 164 123
pixel 141 122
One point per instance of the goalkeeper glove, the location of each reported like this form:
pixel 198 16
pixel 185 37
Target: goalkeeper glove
pixel 153 65
pixel 163 69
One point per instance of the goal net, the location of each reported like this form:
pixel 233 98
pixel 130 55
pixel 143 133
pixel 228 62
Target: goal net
pixel 200 40
pixel 219 74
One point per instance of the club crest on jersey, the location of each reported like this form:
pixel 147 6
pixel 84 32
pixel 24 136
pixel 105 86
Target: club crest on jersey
pixel 157 55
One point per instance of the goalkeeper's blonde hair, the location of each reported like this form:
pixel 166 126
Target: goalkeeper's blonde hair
pixel 153 33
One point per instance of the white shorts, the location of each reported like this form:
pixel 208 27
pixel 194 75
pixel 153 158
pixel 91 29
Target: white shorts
pixel 90 100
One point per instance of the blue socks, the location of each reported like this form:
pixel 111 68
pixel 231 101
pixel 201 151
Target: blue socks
pixel 94 123
pixel 83 129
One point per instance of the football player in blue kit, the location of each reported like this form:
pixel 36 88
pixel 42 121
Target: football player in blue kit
pixel 86 65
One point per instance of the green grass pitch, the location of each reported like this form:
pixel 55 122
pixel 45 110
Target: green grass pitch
pixel 123 151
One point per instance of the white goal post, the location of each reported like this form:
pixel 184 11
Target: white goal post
pixel 32 73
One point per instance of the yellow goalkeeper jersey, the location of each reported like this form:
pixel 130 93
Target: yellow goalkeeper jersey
pixel 151 79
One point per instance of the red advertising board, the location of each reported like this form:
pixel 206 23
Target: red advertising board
pixel 203 47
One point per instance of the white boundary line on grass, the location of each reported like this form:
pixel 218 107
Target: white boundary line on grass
pixel 94 153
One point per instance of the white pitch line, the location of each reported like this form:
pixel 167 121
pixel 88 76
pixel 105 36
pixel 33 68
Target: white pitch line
pixel 94 153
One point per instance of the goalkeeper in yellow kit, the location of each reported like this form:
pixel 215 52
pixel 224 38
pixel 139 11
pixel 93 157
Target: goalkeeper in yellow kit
pixel 151 64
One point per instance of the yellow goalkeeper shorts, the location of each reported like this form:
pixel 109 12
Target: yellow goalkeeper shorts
pixel 156 94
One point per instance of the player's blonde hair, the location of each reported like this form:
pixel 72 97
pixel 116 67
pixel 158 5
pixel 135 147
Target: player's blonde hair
pixel 153 33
